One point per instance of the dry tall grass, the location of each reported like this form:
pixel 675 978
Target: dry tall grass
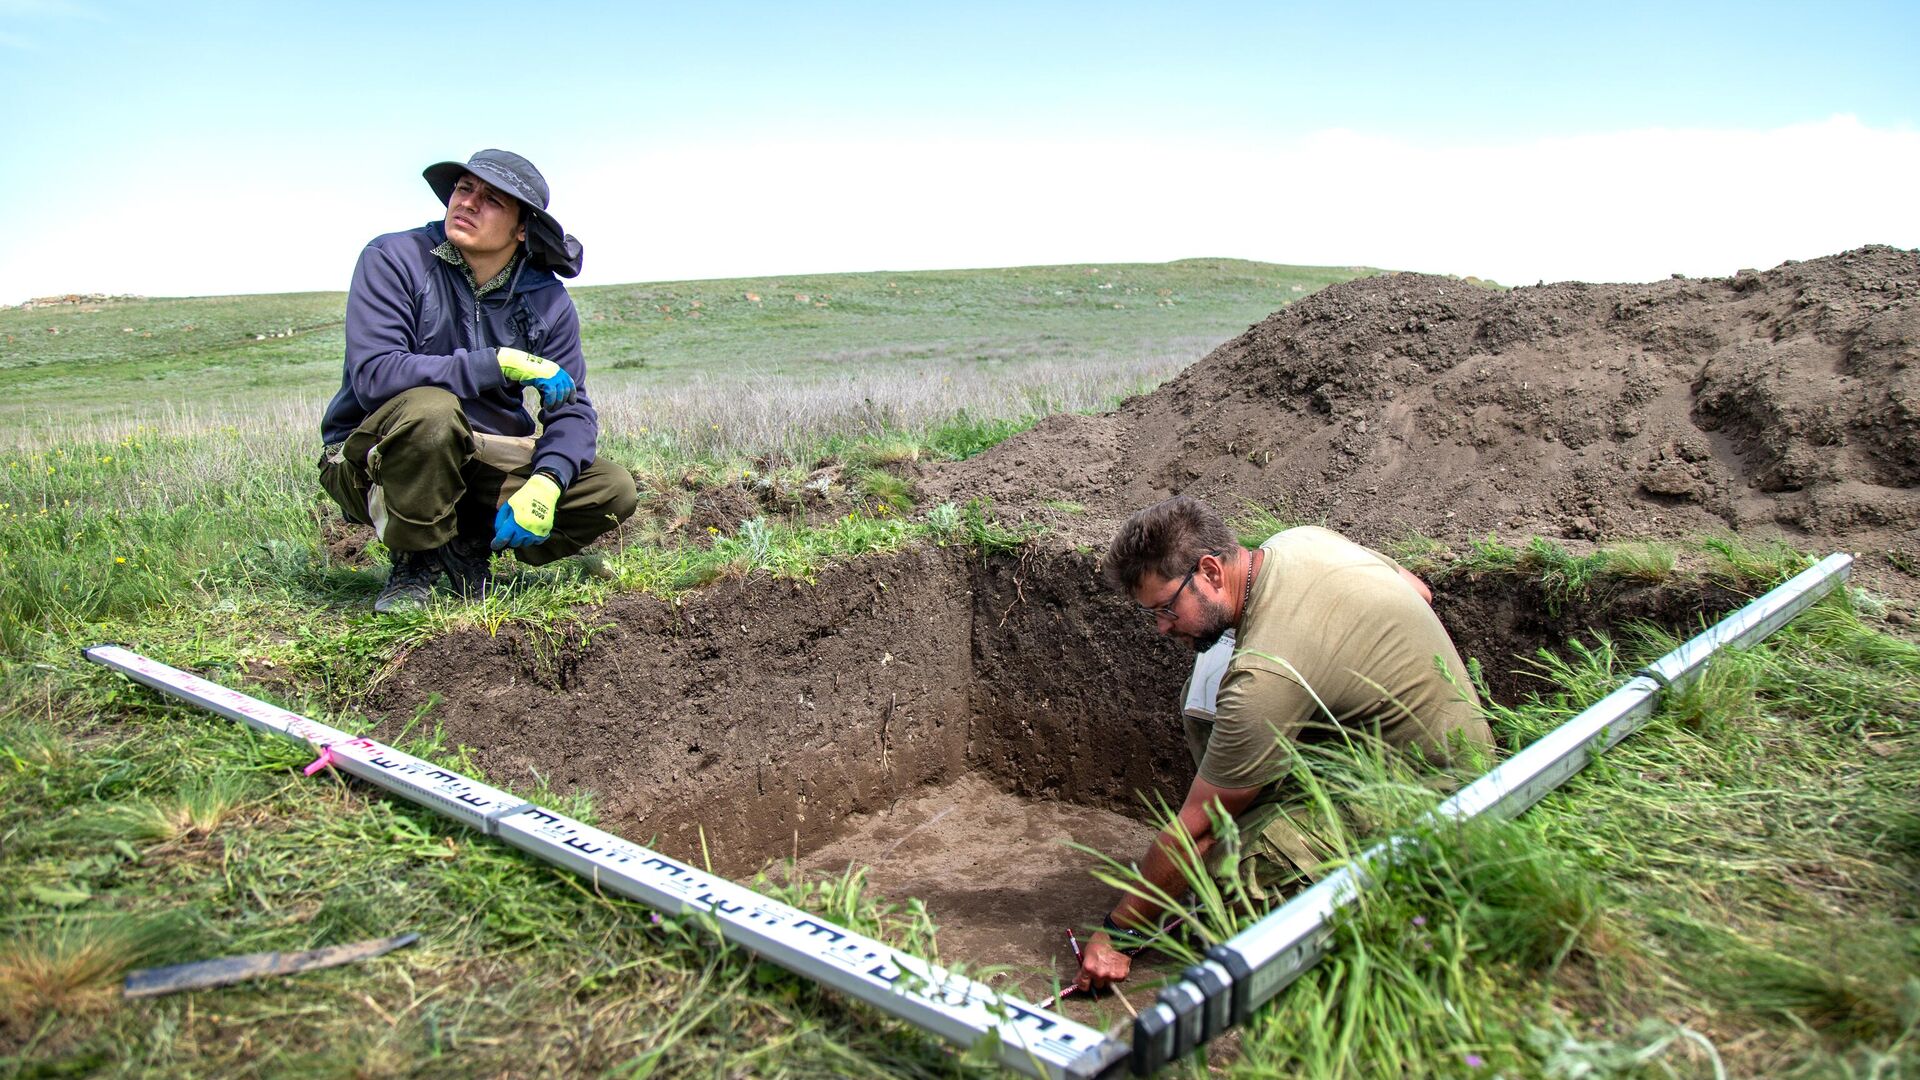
pixel 751 413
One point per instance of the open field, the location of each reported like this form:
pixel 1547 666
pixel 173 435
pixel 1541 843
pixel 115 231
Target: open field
pixel 226 353
pixel 910 656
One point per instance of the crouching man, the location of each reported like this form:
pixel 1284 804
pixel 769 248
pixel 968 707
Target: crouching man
pixel 1309 637
pixel 429 439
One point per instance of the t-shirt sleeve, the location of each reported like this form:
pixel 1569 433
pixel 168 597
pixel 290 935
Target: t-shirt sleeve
pixel 1260 705
pixel 1197 730
pixel 1385 560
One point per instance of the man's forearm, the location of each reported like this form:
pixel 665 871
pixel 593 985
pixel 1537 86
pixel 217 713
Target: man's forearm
pixel 1164 872
pixel 1161 871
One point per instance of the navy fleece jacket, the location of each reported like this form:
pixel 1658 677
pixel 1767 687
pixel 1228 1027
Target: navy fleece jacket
pixel 412 320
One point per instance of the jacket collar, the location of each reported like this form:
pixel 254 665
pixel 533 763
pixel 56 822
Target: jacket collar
pixel 526 277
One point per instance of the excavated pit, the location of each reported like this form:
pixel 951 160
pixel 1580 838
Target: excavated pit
pixel 948 722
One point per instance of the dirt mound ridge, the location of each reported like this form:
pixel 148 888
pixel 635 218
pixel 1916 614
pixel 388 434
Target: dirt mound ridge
pixel 1784 403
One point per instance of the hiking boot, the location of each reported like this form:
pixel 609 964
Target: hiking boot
pixel 410 584
pixel 469 564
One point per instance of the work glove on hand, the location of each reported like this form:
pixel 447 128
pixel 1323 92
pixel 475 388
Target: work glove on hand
pixel 527 518
pixel 556 386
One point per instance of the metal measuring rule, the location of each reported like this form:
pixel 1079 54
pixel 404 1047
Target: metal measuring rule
pixel 1028 1040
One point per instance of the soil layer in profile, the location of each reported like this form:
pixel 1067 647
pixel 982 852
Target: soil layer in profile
pixel 951 723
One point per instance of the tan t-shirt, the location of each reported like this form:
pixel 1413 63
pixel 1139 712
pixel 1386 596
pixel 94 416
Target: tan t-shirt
pixel 1331 620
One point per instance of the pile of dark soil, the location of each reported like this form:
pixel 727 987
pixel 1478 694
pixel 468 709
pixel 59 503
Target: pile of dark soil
pixel 1780 404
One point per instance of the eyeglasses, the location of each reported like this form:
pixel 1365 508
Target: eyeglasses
pixel 1165 611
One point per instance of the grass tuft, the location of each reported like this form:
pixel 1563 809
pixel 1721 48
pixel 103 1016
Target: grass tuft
pixel 1254 524
pixel 1748 560
pixel 194 812
pixel 1647 561
pixel 68 964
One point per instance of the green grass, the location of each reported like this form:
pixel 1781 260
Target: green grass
pixel 519 964
pixel 220 355
pixel 1735 884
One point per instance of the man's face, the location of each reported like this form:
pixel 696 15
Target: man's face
pixel 1190 608
pixel 482 220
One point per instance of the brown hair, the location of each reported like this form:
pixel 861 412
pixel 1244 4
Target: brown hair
pixel 1167 538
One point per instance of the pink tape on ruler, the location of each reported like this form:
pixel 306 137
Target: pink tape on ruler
pixel 325 760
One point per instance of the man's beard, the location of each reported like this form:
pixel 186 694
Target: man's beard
pixel 1216 626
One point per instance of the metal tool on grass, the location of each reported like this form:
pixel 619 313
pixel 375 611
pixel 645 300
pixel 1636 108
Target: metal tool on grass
pixel 207 974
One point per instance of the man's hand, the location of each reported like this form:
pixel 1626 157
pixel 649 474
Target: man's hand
pixel 527 518
pixel 555 385
pixel 1101 964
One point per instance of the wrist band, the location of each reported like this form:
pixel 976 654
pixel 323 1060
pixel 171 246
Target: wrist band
pixel 1113 928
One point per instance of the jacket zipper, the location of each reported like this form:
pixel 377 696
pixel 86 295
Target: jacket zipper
pixel 479 338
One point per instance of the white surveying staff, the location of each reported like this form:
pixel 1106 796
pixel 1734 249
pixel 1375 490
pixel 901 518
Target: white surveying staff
pixel 1029 1040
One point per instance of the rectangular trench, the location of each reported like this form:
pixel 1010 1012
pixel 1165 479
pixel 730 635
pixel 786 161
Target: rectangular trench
pixel 951 724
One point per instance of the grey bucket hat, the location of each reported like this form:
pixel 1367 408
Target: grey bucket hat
pixel 547 243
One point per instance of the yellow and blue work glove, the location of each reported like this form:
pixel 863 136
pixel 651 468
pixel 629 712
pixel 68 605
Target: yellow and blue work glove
pixel 527 518
pixel 555 385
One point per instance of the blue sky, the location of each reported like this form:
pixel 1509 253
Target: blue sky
pixel 179 148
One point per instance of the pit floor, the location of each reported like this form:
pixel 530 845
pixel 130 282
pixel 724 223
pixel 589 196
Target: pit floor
pixel 997 875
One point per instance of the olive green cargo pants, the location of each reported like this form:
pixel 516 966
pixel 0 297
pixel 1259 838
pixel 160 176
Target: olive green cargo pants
pixel 1277 854
pixel 414 470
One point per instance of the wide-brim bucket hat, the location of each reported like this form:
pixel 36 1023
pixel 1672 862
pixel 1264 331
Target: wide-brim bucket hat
pixel 547 243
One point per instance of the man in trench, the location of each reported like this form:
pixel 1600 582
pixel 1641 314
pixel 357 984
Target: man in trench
pixel 1310 637
pixel 429 439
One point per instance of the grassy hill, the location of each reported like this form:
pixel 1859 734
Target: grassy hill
pixel 104 358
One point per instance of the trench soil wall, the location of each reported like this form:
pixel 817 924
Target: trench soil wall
pixel 760 717
pixel 755 710
pixel 945 721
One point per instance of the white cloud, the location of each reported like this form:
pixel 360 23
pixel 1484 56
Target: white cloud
pixel 1624 206
pixel 1634 205
pixel 261 229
